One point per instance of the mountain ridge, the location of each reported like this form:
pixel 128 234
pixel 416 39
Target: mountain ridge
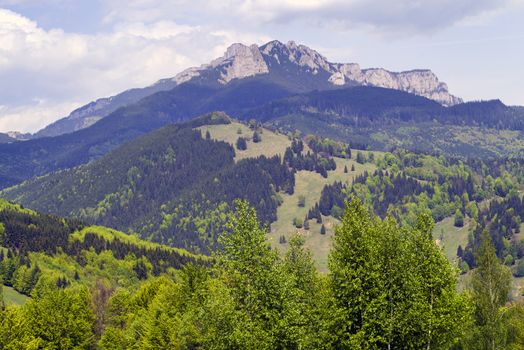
pixel 275 59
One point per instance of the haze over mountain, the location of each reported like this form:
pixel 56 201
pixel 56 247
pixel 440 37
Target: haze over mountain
pixel 298 67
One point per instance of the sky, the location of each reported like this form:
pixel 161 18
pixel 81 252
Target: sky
pixel 57 55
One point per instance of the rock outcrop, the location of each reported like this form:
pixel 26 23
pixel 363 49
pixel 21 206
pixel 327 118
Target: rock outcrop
pixel 300 62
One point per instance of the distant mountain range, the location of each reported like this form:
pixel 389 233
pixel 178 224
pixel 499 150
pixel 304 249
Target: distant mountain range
pixel 297 67
pixel 289 87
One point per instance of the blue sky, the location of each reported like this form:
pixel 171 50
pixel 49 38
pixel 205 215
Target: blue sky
pixel 56 55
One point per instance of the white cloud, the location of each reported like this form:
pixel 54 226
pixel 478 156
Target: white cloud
pixel 59 67
pixel 33 117
pixel 140 41
pixel 386 16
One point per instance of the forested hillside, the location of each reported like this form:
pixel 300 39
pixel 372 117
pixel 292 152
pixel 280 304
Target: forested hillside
pixel 100 291
pixel 172 186
pixel 386 119
pixel 381 118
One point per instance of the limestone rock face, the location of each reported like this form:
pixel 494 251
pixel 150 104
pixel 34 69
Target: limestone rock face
pixel 241 61
pixel 420 82
pixel 305 66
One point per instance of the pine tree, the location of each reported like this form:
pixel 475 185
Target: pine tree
pixel 345 169
pixel 208 135
pixel 306 225
pixel 241 144
pixel 459 218
pixel 256 137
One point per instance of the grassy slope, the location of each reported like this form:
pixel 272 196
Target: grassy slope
pixel 450 237
pixel 271 144
pixel 12 297
pixel 310 185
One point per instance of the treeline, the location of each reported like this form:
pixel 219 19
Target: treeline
pixel 387 287
pixel 173 186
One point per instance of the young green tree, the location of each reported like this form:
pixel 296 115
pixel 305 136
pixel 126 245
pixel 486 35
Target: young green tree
pixel 60 319
pixel 490 285
pixel 258 282
pixel 393 288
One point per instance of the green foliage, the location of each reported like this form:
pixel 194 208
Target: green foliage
pixel 459 218
pixel 519 270
pixel 393 288
pixel 490 286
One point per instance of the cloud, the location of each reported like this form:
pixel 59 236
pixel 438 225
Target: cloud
pixel 51 68
pixel 33 117
pixel 136 42
pixel 386 16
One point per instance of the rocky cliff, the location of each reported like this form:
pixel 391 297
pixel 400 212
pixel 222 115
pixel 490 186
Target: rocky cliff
pixel 275 60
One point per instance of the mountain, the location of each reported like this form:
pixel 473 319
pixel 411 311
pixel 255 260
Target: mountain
pixel 297 67
pixel 171 185
pixel 384 119
pixel 5 138
pixel 241 98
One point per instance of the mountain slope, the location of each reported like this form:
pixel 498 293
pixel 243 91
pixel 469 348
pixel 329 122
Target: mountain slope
pixel 5 138
pixel 295 67
pixel 240 98
pixel 384 119
pixel 171 185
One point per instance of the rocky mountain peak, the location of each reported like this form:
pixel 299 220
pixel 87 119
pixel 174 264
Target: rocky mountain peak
pixel 241 61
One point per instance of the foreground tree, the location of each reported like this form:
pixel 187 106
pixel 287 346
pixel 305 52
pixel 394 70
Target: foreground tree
pixel 490 286
pixel 258 283
pixel 393 288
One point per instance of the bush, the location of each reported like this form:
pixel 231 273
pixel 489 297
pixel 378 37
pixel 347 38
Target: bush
pixel 464 267
pixel 298 222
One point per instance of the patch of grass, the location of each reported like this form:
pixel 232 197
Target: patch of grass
pixel 310 185
pixel 272 143
pixel 450 237
pixel 12 297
